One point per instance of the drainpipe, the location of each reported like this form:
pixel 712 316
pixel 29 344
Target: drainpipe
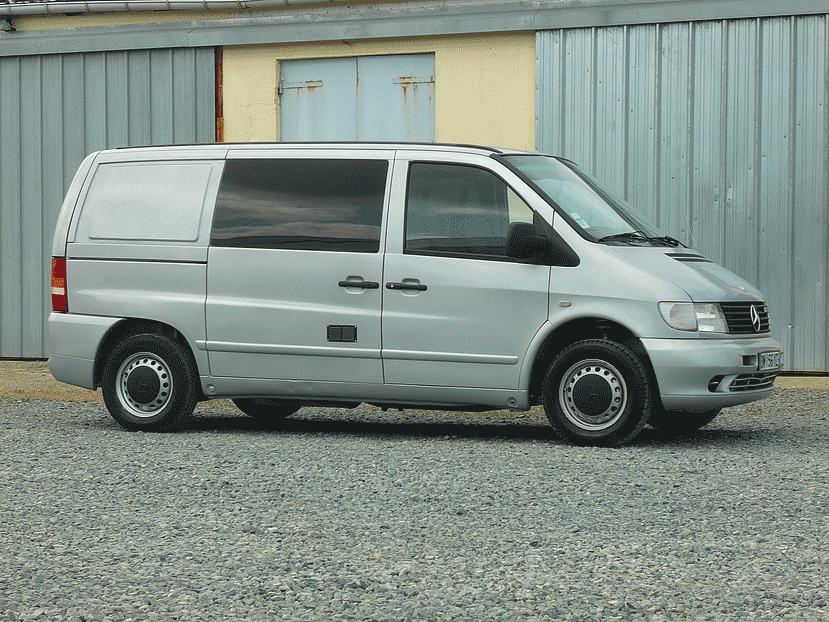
pixel 107 6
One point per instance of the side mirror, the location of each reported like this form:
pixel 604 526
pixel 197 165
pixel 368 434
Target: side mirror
pixel 523 241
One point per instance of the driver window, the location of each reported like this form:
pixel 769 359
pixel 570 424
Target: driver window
pixel 460 210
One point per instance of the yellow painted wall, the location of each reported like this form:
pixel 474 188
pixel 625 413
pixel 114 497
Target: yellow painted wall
pixel 485 85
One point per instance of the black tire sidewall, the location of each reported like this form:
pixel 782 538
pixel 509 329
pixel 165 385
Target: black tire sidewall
pixel 183 397
pixel 636 411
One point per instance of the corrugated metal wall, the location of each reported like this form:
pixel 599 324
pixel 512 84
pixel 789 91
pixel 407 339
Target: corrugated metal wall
pixel 54 109
pixel 718 131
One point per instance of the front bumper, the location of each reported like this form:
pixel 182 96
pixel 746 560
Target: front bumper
pixel 705 374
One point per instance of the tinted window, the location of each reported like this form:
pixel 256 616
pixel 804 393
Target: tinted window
pixel 306 204
pixel 454 209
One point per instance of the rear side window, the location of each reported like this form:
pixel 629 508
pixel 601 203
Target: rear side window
pixel 146 201
pixel 303 204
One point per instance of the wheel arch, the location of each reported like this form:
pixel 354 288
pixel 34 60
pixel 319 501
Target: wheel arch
pixel 138 326
pixel 579 329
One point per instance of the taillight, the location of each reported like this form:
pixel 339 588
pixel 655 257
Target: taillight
pixel 60 302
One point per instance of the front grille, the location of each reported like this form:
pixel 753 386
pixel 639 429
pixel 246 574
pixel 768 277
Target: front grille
pixel 753 382
pixel 738 317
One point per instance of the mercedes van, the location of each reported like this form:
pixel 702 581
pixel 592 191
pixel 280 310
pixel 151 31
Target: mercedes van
pixel 403 275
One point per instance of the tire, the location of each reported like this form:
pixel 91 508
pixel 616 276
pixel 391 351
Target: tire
pixel 265 409
pixel 149 383
pixel 597 392
pixel 680 422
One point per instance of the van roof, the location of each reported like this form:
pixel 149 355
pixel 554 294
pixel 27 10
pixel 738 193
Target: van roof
pixel 445 147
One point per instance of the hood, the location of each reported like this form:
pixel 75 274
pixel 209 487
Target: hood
pixel 701 278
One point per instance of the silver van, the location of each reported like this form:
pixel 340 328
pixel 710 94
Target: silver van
pixel 402 275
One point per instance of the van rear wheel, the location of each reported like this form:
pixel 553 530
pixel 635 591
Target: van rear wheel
pixel 149 383
pixel 265 409
pixel 596 392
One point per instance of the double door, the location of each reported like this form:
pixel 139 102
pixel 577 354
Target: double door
pixel 364 98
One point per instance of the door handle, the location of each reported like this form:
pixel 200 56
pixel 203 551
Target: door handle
pixel 360 284
pixel 417 287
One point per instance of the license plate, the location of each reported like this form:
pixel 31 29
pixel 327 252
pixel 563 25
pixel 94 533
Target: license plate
pixel 768 361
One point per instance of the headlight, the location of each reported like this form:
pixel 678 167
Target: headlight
pixel 693 316
pixel 710 318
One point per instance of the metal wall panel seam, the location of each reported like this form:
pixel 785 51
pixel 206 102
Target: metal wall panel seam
pixel 724 43
pixel 626 116
pixel 4 226
pixel 758 140
pixel 594 96
pixel 32 247
pixel 691 126
pixel 46 211
pixel 776 238
pixel 809 213
pixel 792 126
pixel 11 336
pixel 206 118
pixel 658 120
pixel 826 175
pixel 117 106
pixel 563 86
pixel 540 102
pixel 95 93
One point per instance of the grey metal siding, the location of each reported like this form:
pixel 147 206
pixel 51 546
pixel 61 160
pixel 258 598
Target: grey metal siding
pixel 54 109
pixel 718 131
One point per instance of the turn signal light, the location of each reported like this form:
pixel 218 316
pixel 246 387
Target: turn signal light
pixel 60 301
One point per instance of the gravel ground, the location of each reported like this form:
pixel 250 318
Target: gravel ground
pixel 366 515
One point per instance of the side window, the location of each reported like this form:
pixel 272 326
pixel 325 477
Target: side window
pixel 172 193
pixel 454 209
pixel 304 204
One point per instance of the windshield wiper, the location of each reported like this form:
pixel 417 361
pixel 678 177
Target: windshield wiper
pixel 639 236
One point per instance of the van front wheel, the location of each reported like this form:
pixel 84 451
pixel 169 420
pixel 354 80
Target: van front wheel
pixel 596 392
pixel 149 383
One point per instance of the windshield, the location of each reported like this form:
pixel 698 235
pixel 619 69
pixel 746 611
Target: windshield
pixel 586 203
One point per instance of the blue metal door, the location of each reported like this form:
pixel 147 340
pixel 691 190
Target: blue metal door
pixel 317 99
pixel 373 98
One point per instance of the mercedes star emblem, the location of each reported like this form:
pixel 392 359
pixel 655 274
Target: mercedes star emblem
pixel 755 318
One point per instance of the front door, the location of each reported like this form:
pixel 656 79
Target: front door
pixel 295 264
pixel 457 311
